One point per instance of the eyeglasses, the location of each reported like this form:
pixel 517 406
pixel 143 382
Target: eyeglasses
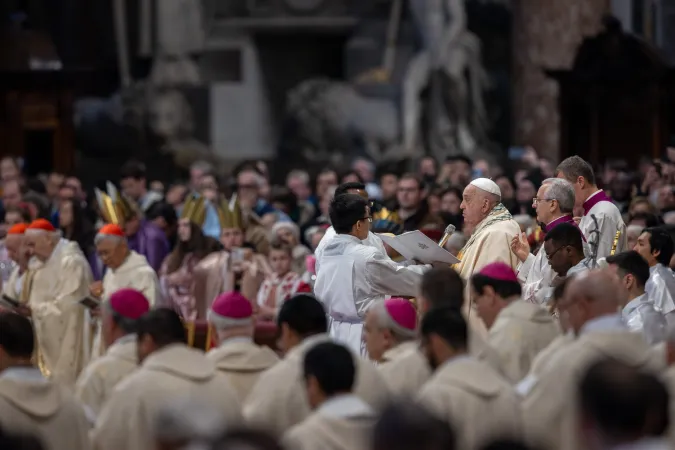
pixel 536 200
pixel 549 257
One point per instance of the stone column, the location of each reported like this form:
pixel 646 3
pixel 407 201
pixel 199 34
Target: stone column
pixel 546 34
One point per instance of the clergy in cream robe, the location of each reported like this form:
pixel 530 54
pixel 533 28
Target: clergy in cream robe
pixel 465 392
pixel 390 334
pixel 30 403
pixel 62 278
pixel 356 276
pixel 279 399
pixel 119 317
pixel 169 371
pixel 236 355
pixel 126 269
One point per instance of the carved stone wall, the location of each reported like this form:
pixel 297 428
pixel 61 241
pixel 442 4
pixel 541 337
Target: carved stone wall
pixel 546 34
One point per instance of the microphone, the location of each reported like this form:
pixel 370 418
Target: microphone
pixel 446 235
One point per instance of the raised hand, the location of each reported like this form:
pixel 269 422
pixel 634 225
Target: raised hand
pixel 520 246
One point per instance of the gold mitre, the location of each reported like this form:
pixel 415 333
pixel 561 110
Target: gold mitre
pixel 125 209
pixel 194 210
pixel 107 209
pixel 229 214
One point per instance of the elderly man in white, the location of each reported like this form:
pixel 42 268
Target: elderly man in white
pixel 554 204
pixel 355 275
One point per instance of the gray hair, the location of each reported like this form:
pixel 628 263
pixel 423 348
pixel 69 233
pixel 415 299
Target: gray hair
pixel 575 167
pixel 385 321
pixel 100 237
pixel 561 191
pixel 299 174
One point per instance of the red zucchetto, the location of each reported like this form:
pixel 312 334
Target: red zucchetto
pixel 41 225
pixel 19 228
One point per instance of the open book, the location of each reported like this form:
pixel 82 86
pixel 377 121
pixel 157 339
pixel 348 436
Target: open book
pixel 416 245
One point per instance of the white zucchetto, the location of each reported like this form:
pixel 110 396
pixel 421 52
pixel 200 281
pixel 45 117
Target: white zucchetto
pixel 487 185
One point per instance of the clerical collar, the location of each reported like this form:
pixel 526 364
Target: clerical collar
pixel 608 322
pixel 26 373
pixel 236 340
pixel 345 406
pixel 595 198
pixel 555 222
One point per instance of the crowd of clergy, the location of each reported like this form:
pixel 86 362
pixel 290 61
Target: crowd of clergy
pixel 563 347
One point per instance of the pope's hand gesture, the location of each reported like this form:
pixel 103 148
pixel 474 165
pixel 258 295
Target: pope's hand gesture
pixel 520 246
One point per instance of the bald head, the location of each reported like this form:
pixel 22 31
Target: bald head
pixel 593 294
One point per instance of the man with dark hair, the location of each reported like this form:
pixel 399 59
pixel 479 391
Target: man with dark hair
pixel 372 240
pixel 623 407
pixel 352 275
pixel 31 403
pixel 590 304
pixel 565 250
pixel 638 312
pixel 279 398
pixel 135 186
pixel 168 369
pixel 403 426
pixel 413 209
pixel 518 330
pixel 466 393
pixel 341 420
pixel 119 320
pixel 656 246
pixel 442 287
pixel 597 206
pixel 164 216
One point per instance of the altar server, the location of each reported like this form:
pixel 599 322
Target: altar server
pixel 355 275
pixel 656 247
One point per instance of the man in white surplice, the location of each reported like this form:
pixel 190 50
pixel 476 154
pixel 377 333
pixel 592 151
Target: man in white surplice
pixel 371 239
pixel 554 204
pixel 610 225
pixel 355 275
pixel 656 247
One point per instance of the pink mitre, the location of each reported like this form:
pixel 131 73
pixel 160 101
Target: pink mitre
pixel 499 271
pixel 402 312
pixel 231 309
pixel 129 303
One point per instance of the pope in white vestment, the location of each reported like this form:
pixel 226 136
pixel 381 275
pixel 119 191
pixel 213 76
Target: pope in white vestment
pixel 62 279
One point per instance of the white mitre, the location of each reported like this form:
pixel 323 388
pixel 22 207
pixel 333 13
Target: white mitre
pixel 487 185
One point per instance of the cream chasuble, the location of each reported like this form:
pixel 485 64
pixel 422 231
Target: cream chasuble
pixel 31 404
pixel 58 318
pixel 99 378
pixel 489 243
pixel 477 402
pixel 279 400
pixel 405 369
pixel 172 372
pixel 521 331
pixel 343 422
pixel 134 273
pixel 242 362
pixel 550 409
